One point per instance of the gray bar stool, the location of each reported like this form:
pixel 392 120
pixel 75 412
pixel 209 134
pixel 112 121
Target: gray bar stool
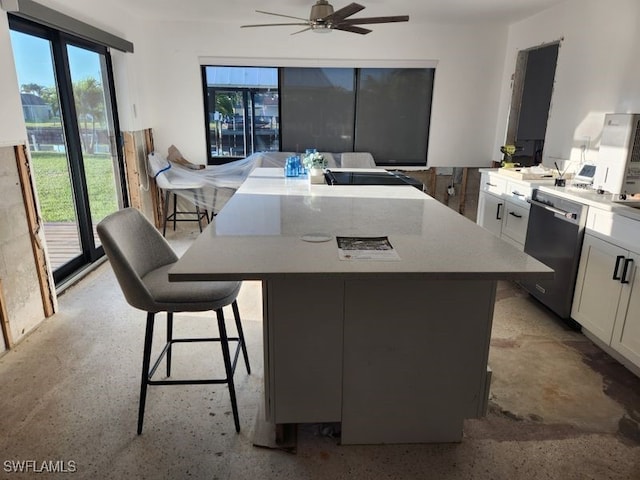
pixel 141 258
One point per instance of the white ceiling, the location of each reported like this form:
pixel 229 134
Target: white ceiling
pixel 243 11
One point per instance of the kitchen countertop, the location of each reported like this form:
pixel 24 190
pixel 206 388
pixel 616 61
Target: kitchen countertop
pixel 258 235
pixel 512 174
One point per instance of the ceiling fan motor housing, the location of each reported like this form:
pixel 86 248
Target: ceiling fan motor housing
pixel 320 10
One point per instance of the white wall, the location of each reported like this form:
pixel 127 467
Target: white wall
pixel 12 128
pixel 159 86
pixel 466 83
pixel 598 72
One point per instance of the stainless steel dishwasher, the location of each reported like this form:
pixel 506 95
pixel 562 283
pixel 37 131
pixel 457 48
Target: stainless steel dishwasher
pixel 554 236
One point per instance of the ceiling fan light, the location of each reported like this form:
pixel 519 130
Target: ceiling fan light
pixel 321 28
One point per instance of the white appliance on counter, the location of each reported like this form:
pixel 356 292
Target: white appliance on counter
pixel 618 165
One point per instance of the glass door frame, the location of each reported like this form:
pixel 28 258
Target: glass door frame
pixel 59 42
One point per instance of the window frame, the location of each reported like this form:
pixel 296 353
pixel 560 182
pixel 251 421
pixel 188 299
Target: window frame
pixel 248 94
pixel 425 65
pixel 60 41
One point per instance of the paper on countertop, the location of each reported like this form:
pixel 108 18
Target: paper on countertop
pixel 366 248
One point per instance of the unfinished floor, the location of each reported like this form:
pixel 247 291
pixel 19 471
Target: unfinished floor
pixel 559 408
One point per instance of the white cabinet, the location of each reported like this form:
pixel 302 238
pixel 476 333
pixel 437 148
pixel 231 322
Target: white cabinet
pixel 607 296
pixel 597 294
pixel 514 224
pixel 626 331
pixel 503 207
pixel 490 212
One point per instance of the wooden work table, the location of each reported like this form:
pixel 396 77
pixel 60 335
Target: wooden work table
pixel 395 350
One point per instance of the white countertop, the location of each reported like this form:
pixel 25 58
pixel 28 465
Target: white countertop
pixel 585 196
pixel 257 235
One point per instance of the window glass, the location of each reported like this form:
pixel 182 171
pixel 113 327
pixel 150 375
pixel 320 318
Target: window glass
pixel 318 108
pixel 242 111
pixel 392 114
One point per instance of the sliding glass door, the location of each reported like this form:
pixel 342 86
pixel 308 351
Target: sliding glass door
pixel 94 121
pixel 69 111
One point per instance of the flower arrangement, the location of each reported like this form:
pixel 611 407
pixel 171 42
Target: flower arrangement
pixel 314 160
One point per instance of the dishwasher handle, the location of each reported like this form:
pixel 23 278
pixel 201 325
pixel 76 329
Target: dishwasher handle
pixel 557 211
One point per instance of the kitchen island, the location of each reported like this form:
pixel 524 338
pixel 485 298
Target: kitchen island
pixel 394 349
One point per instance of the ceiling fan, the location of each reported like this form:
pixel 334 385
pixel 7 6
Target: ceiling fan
pixel 324 19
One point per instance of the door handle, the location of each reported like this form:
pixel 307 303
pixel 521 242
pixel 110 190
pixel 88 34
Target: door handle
pixel 624 278
pixel 498 217
pixel 515 214
pixel 619 258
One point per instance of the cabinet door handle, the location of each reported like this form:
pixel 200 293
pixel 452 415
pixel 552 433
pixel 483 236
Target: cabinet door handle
pixel 515 214
pixel 517 194
pixel 619 258
pixel 624 278
pixel 491 184
pixel 498 217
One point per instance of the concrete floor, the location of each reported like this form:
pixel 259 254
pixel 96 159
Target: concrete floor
pixel 559 407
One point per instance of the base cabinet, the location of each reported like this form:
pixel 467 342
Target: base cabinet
pixel 607 296
pixel 626 331
pixel 503 207
pixel 366 355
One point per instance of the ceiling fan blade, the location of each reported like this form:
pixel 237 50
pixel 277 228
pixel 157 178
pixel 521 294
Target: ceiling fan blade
pixel 281 15
pixel 300 31
pixel 352 29
pixel 344 12
pixel 273 25
pixel 369 20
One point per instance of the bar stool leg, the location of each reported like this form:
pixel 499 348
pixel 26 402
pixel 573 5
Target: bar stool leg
pixel 175 207
pixel 146 360
pixel 236 315
pixel 169 339
pixel 166 212
pixel 227 367
pixel 198 217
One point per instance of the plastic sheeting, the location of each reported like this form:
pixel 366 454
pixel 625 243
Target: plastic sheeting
pixel 211 187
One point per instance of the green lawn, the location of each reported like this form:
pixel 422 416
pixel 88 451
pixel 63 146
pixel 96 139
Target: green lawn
pixel 54 189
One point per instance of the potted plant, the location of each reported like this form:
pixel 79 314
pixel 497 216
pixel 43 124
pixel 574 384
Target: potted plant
pixel 315 163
